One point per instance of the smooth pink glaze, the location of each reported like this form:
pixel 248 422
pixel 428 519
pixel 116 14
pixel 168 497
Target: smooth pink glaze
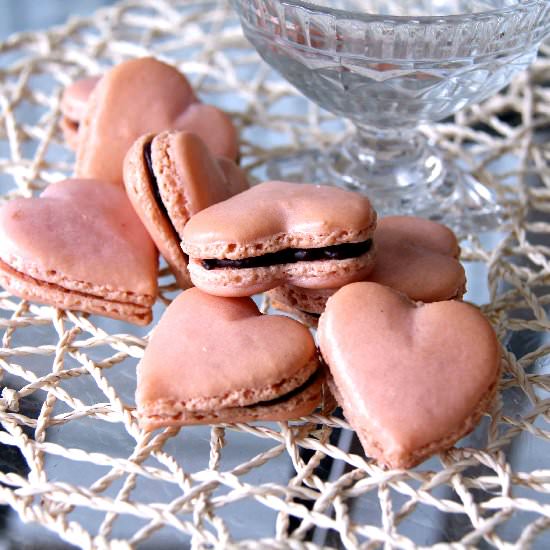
pixel 408 376
pixel 208 347
pixel 80 231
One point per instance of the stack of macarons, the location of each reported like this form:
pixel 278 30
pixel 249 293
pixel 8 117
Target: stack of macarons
pixel 134 98
pixel 386 295
pixel 234 363
pixel 156 172
pixel 89 243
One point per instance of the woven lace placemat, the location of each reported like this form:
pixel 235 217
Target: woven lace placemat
pixel 83 469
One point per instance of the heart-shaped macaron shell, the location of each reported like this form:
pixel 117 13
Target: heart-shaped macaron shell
pixel 213 359
pixel 213 126
pixel 411 379
pixel 79 246
pixel 168 178
pixel 418 257
pixel 314 236
pixel 138 97
pixel 415 256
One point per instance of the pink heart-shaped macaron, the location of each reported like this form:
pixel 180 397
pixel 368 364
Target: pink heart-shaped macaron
pixel 419 258
pixel 276 232
pixel 79 246
pixel 171 176
pixel 138 97
pixel 411 379
pixel 213 359
pixel 415 256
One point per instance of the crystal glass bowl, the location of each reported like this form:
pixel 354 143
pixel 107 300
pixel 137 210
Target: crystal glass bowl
pixel 390 66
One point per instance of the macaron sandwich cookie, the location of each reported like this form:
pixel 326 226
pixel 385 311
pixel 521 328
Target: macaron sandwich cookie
pixel 411 378
pixel 143 96
pixel 168 178
pixel 213 360
pixel 79 246
pixel 313 236
pixel 415 256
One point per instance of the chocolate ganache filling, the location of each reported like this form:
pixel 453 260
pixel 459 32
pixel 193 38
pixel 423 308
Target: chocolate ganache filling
pixel 293 255
pixel 292 393
pixel 310 313
pixel 155 188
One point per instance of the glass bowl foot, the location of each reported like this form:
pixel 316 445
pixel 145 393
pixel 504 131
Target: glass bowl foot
pixel 417 181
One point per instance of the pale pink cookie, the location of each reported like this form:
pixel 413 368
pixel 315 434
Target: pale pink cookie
pixel 412 379
pixel 312 236
pixel 73 106
pixel 418 257
pixel 138 97
pixel 415 256
pixel 213 359
pixel 168 178
pixel 214 126
pixel 79 246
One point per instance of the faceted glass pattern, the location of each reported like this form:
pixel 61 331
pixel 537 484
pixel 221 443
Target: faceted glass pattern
pixel 387 71
pixel 389 66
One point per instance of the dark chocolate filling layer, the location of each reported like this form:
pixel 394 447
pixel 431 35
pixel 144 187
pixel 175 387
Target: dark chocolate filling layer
pixel 293 255
pixel 310 313
pixel 155 188
pixel 6 268
pixel 287 396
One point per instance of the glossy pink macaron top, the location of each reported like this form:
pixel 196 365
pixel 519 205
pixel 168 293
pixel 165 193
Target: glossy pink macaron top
pixel 76 231
pixel 137 97
pixel 212 360
pixel 79 246
pixel 231 350
pixel 418 257
pixel 411 378
pixel 276 215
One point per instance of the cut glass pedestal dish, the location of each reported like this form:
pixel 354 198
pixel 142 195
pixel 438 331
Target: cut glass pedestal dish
pixel 390 68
